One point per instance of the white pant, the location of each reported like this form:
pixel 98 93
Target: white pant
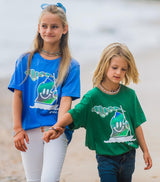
pixel 43 161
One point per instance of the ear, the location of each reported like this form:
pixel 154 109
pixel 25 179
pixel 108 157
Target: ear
pixel 65 30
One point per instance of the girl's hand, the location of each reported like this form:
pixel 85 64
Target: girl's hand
pixel 148 161
pixel 52 133
pixel 19 141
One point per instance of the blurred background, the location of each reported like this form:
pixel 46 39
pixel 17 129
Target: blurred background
pixel 93 24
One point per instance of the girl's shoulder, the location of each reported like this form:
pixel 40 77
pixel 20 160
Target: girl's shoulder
pixel 22 58
pixel 74 63
pixel 24 55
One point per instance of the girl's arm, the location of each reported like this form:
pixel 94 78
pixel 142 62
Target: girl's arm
pixel 64 119
pixel 20 134
pixel 143 146
pixel 65 105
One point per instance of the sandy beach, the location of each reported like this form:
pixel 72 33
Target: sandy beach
pixel 80 164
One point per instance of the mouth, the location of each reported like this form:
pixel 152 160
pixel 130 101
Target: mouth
pixel 49 36
pixel 117 77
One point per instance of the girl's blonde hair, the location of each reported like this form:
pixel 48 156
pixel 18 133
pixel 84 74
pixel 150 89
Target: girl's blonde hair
pixel 64 48
pixel 116 49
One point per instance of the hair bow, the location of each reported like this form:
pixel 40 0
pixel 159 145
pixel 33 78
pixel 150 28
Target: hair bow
pixel 43 6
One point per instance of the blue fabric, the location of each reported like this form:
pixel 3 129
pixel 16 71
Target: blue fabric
pixel 41 97
pixel 116 168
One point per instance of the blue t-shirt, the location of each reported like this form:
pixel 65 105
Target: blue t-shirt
pixel 41 96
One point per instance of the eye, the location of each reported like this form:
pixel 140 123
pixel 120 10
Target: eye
pixel 44 26
pixel 124 69
pixel 114 67
pixel 54 26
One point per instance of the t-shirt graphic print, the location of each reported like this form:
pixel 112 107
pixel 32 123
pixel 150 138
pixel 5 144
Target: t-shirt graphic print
pixel 120 127
pixel 46 94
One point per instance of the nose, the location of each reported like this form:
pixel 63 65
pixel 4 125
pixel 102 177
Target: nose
pixel 48 30
pixel 118 71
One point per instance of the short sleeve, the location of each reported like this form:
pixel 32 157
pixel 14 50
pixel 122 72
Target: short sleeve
pixel 71 85
pixel 18 76
pixel 138 114
pixel 80 113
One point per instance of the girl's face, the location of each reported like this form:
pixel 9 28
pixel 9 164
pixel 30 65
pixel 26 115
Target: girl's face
pixel 51 29
pixel 116 70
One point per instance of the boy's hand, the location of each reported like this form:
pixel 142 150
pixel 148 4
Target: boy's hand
pixel 148 160
pixel 52 133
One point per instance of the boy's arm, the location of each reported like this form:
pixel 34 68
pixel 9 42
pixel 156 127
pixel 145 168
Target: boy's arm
pixel 143 146
pixel 64 121
pixel 56 130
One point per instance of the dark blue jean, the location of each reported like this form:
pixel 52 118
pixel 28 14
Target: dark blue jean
pixel 116 168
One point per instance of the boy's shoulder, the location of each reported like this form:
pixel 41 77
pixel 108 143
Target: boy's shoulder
pixel 126 88
pixel 92 93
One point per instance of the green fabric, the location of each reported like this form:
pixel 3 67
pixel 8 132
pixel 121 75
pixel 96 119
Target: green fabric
pixel 109 120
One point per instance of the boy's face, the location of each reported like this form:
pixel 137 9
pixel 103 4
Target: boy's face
pixel 116 70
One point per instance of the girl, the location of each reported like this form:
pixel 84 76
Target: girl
pixel 45 82
pixel 111 115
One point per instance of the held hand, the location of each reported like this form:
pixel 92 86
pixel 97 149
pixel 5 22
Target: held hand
pixel 19 141
pixel 49 134
pixel 148 161
pixel 59 131
pixel 52 133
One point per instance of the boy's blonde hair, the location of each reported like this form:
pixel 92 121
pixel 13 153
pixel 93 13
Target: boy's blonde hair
pixel 116 49
pixel 64 48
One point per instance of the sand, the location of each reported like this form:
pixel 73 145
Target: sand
pixel 80 164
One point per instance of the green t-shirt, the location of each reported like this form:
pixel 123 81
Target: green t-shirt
pixel 109 120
